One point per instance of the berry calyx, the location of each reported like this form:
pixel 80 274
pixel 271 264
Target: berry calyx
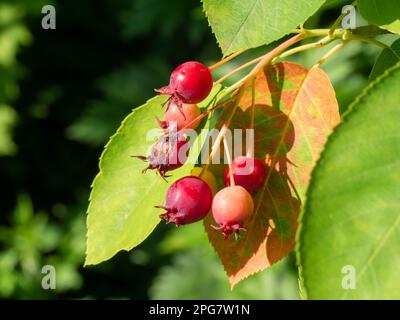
pixel 188 200
pixel 191 82
pixel 247 172
pixel 180 117
pixel 169 153
pixel 231 207
pixel 206 176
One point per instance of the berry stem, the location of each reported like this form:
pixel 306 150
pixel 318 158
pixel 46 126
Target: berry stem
pixel 228 155
pixel 225 60
pixel 244 66
pixel 357 37
pixel 204 114
pixel 330 53
pixel 250 147
pixel 222 132
pixel 262 61
pixel 346 38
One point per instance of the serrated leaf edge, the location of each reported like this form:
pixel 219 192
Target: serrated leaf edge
pixel 92 186
pixel 351 110
pixel 233 284
pixel 226 52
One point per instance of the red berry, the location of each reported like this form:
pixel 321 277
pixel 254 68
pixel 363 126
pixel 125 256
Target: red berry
pixel 190 82
pixel 231 207
pixel 168 153
pixel 188 200
pixel 181 117
pixel 247 172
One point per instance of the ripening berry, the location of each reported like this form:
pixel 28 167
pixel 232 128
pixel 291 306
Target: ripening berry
pixel 206 176
pixel 247 172
pixel 231 207
pixel 191 82
pixel 188 200
pixel 169 153
pixel 180 117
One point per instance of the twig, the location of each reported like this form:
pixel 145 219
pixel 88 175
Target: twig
pixel 228 155
pixel 225 60
pixel 204 114
pixel 323 42
pixel 330 53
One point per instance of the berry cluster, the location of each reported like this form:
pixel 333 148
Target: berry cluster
pixel 191 198
pixel 190 83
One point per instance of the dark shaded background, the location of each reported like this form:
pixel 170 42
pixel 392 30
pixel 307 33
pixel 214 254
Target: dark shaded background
pixel 63 92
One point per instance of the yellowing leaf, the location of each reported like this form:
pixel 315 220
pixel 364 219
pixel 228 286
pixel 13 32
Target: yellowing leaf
pixel 295 111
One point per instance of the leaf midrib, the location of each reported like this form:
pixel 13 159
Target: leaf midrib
pixel 242 25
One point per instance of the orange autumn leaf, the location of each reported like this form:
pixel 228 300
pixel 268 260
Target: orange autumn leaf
pixel 295 111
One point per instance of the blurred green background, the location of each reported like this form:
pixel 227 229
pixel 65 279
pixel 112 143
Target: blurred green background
pixel 63 92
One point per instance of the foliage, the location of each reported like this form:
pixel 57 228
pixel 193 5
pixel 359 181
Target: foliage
pixel 353 198
pixel 13 35
pixel 241 25
pixel 64 92
pixel 31 242
pixel 120 89
pixel 383 13
pixel 277 284
pixel 295 110
pixel 388 58
pixel 123 190
pixel 195 269
pixel 8 118
pixel 74 87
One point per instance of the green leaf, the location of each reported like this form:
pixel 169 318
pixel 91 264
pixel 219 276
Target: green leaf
pixel 239 24
pixel 387 59
pixel 121 213
pixel 352 212
pixel 383 13
pixel 8 118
